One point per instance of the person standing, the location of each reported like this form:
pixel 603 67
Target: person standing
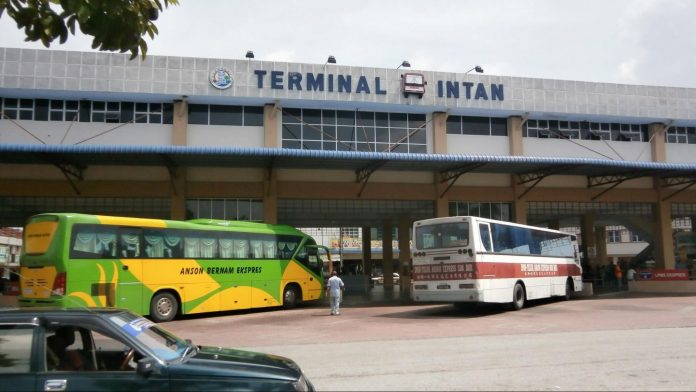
pixel 334 290
pixel 618 274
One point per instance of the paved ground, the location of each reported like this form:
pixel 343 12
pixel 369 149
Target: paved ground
pixel 610 342
pixel 613 342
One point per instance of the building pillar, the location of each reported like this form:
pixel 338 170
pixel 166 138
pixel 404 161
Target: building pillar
pixel 515 135
pixel 515 139
pixel 589 241
pixel 387 255
pixel 664 243
pixel 404 255
pixel 601 245
pixel 177 208
pixel 272 122
pixel 657 132
pixel 441 200
pixel 439 126
pixel 270 196
pixel 367 251
pixel 519 206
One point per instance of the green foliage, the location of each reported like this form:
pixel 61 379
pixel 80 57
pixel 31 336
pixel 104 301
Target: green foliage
pixel 115 25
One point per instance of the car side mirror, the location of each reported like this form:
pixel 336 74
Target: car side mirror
pixel 147 366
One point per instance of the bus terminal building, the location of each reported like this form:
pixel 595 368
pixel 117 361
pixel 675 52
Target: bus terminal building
pixel 327 145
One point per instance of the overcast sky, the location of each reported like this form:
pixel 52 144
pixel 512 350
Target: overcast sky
pixel 617 41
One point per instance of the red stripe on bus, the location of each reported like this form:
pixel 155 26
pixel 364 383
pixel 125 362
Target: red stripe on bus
pixel 492 271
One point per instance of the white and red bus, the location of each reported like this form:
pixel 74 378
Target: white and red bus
pixel 466 260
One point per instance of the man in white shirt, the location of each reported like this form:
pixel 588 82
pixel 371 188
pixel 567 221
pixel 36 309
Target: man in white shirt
pixel 334 289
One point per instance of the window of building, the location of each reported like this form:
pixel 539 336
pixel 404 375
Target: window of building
pixel 87 111
pixel 499 211
pixel 341 130
pixel 560 129
pixel 225 209
pixel 225 115
pixel 613 236
pixel 488 126
pixel 681 135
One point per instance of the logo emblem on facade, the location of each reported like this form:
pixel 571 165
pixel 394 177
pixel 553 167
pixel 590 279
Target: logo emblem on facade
pixel 221 78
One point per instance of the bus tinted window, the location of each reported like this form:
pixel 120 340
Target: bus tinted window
pixel 162 243
pixel 93 242
pixel 445 235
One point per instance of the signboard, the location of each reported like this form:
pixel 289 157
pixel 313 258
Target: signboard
pixel 663 275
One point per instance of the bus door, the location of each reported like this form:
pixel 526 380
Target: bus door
pixel 319 261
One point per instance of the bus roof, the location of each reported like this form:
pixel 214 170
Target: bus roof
pixel 446 219
pixel 160 223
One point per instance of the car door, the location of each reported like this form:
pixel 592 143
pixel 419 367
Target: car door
pixel 17 342
pixel 106 369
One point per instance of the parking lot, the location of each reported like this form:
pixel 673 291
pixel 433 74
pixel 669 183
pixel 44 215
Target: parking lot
pixel 613 342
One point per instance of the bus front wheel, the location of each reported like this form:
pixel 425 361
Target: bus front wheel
pixel 290 297
pixel 518 297
pixel 163 307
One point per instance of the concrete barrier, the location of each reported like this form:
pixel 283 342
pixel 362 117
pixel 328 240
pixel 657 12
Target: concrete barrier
pixel 671 286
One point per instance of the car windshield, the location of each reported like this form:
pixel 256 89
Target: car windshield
pixel 158 341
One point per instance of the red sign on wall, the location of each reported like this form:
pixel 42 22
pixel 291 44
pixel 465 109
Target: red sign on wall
pixel 662 275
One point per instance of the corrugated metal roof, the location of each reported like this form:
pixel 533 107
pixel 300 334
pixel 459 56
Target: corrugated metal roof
pixel 185 156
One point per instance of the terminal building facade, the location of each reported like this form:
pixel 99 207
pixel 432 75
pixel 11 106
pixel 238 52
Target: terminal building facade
pixel 327 145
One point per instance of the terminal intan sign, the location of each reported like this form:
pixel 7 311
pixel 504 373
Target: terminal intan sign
pixel 350 84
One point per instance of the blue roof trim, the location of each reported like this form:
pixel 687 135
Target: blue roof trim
pixel 338 155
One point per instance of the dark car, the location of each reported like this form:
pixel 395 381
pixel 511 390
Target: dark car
pixel 111 349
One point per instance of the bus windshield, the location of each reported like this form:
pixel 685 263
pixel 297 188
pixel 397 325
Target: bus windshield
pixel 442 235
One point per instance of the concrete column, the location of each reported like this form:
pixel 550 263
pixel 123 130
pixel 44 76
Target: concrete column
pixel 270 196
pixel 601 245
pixel 404 254
pixel 664 243
pixel 387 254
pixel 589 241
pixel 515 138
pixel 272 122
pixel 519 206
pixel 515 135
pixel 180 123
pixel 439 121
pixel 657 132
pixel 441 203
pixel 177 208
pixel 367 251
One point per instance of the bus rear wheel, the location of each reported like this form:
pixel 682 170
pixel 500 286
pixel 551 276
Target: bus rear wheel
pixel 518 297
pixel 290 297
pixel 163 307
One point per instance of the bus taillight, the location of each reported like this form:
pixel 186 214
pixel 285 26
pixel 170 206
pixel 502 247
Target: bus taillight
pixel 59 284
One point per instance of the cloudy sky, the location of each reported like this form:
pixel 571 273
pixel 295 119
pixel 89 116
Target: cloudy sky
pixel 619 41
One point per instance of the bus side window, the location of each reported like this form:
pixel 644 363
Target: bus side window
pixel 485 233
pixel 129 243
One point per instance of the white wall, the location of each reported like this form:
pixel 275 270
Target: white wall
pixel 481 145
pixel 224 136
pixel 70 133
pixel 680 153
pixel 595 149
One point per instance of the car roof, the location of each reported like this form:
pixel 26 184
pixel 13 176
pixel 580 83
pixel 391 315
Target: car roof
pixel 33 315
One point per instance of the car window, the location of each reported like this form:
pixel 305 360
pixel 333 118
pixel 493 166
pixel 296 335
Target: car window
pixel 15 348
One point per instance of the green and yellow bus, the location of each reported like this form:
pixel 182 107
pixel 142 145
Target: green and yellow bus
pixel 164 268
